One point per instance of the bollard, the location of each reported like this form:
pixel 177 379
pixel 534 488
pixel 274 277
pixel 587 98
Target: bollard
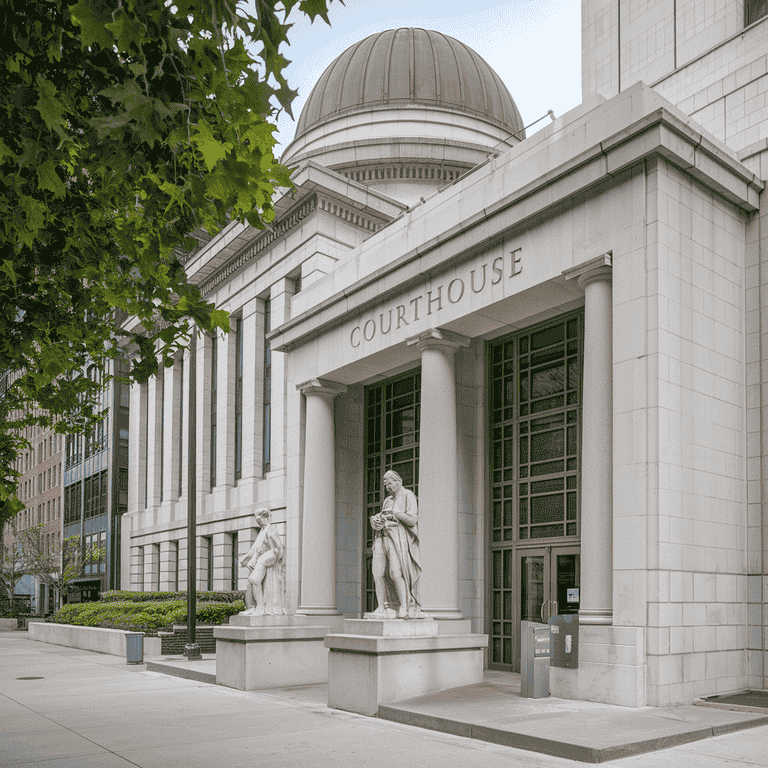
pixel 134 647
pixel 534 660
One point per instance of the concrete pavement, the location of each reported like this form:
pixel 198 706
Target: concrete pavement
pixel 86 709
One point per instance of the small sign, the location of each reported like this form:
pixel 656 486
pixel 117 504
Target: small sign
pixel 573 595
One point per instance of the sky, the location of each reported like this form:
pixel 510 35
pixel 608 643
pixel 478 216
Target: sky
pixel 534 46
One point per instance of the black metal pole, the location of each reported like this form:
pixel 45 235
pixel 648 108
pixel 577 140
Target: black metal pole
pixel 192 649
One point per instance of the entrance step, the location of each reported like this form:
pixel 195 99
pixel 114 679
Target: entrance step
pixel 576 730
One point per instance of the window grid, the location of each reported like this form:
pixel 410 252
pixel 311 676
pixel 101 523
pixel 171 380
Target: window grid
pixel 238 398
pixel 181 426
pixel 392 424
pixel 214 394
pixel 535 425
pixel 267 456
pixel 234 564
pixel 209 569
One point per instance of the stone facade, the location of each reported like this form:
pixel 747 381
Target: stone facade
pixel 631 226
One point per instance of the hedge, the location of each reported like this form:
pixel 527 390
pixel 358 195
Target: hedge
pixel 147 616
pixel 115 596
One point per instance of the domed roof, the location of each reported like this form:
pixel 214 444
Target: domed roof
pixel 410 66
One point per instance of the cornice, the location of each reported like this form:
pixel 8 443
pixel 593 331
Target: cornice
pixel 659 133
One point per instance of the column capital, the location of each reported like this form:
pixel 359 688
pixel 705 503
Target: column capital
pixel 599 268
pixel 321 387
pixel 438 337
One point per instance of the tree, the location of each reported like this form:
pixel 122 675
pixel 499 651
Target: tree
pixel 124 127
pixel 11 570
pixel 55 564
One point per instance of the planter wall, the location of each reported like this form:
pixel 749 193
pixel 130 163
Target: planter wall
pixel 110 641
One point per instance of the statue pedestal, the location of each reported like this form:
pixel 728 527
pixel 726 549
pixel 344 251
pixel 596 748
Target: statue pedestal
pixel 256 652
pixel 378 661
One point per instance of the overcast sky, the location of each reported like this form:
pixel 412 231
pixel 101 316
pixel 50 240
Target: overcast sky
pixel 534 45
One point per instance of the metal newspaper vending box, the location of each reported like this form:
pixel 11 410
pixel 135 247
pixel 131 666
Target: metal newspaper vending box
pixel 565 641
pixel 534 660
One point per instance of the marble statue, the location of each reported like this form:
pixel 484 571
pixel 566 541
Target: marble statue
pixel 396 565
pixel 265 593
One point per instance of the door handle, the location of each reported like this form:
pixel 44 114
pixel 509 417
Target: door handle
pixel 554 613
pixel 541 611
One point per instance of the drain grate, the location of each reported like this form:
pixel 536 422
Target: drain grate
pixel 29 678
pixel 757 699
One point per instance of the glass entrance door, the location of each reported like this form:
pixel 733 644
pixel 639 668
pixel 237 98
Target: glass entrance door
pixel 547 582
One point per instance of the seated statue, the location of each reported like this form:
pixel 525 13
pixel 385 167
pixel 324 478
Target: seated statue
pixel 265 593
pixel 396 566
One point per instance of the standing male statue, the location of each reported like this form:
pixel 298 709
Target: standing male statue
pixel 396 564
pixel 265 593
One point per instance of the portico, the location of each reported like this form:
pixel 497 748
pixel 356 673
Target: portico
pixel 512 455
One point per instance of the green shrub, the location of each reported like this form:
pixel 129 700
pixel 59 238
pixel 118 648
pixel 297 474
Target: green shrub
pixel 144 616
pixel 142 597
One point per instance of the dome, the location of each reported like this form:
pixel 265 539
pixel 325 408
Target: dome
pixel 407 111
pixel 410 66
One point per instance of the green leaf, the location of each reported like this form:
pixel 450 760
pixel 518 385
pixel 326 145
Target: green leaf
pixel 93 29
pixel 211 148
pixel 50 108
pixel 47 178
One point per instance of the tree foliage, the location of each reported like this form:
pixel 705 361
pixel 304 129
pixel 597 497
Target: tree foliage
pixel 52 563
pixel 125 125
pixel 11 570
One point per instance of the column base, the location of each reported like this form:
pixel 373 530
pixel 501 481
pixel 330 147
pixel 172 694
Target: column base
pixel 596 616
pixel 327 616
pixel 444 615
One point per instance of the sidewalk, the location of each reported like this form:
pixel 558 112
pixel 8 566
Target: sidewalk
pixel 85 709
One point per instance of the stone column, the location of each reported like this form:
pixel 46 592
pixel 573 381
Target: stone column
pixel 318 533
pixel 596 606
pixel 155 436
pixel 137 445
pixel 438 474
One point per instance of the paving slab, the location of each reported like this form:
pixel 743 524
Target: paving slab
pixel 583 731
pixel 136 717
pixel 203 670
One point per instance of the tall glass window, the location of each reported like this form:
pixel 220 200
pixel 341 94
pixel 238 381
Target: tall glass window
pixel 162 441
pixel 181 425
pixel 145 387
pixel 214 388
pixel 267 457
pixel 234 564
pixel 238 398
pixel 209 569
pixel 534 407
pixel 392 422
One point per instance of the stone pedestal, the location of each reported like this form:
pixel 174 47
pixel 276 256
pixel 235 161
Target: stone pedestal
pixel 256 652
pixel 381 661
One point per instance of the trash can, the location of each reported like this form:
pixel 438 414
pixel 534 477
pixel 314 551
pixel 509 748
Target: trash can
pixel 134 647
pixel 534 660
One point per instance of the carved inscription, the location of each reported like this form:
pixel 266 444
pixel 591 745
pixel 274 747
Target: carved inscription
pixel 431 302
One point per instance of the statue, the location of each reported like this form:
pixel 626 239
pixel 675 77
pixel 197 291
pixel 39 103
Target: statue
pixel 396 566
pixel 265 594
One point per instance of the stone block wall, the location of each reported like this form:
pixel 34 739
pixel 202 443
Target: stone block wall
pixel 697 508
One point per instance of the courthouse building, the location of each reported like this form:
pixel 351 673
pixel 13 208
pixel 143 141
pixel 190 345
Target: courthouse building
pixel 557 341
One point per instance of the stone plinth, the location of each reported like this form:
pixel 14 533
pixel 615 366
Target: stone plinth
pixel 366 669
pixel 254 657
pixel 391 627
pixel 243 620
